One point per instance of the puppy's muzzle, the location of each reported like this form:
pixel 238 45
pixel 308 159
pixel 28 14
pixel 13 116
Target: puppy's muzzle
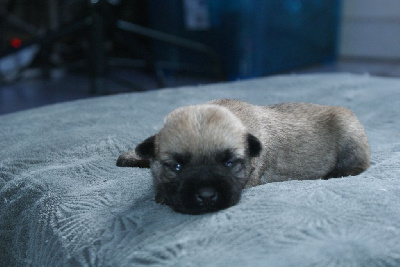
pixel 206 196
pixel 202 189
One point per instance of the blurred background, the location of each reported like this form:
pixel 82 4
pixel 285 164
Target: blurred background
pixel 53 51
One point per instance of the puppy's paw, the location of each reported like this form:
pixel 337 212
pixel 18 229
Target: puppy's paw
pixel 130 159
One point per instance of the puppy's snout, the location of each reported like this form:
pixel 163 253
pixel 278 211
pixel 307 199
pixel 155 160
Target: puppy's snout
pixel 206 196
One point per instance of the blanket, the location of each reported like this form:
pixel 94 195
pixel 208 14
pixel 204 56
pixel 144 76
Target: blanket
pixel 63 201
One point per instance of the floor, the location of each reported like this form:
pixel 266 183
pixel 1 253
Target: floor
pixel 31 92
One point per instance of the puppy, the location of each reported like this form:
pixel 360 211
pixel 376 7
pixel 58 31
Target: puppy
pixel 205 155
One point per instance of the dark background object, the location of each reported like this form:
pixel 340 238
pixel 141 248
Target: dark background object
pixel 96 38
pixel 81 47
pixel 253 38
pixel 256 38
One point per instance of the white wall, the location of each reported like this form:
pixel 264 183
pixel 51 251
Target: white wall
pixel 370 29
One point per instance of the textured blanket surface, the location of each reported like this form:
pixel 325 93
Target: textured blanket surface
pixel 63 202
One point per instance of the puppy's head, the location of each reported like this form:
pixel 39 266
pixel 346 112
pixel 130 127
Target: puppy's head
pixel 200 159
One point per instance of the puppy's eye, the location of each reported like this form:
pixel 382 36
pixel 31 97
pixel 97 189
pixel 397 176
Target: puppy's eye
pixel 234 165
pixel 177 167
pixel 229 163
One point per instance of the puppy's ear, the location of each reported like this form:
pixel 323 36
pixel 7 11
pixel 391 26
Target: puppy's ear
pixel 253 145
pixel 130 159
pixel 147 148
pixel 140 157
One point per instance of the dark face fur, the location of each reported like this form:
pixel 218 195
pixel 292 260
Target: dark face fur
pixel 193 185
pixel 195 176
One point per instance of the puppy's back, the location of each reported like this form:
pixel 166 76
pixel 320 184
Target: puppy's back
pixel 303 141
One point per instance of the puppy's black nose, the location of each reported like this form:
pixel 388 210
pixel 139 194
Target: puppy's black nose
pixel 206 196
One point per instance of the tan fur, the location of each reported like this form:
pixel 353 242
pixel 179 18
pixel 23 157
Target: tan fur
pixel 299 140
pixel 200 130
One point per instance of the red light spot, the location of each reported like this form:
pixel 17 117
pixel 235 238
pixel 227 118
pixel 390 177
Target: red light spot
pixel 15 42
